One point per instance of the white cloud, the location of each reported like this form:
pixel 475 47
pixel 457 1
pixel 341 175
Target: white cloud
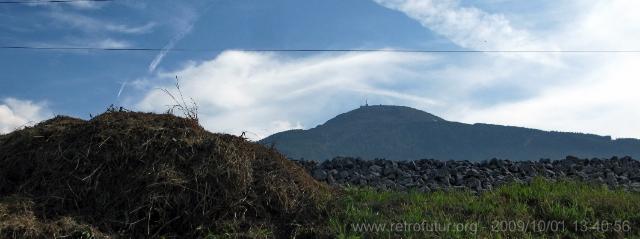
pixel 595 91
pixel 85 42
pixel 603 24
pixel 184 23
pixel 158 59
pixel 82 5
pixel 86 4
pixel 472 28
pixel 586 92
pixel 91 24
pixel 111 43
pixel 15 113
pixel 265 93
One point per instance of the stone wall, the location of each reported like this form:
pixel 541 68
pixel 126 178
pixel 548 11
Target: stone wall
pixel 428 174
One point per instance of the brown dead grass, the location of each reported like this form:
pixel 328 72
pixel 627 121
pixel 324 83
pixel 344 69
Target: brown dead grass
pixel 144 175
pixel 17 220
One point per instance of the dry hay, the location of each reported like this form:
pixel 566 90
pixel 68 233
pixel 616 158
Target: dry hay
pixel 17 220
pixel 144 175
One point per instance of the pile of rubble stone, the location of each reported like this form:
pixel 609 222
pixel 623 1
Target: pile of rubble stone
pixel 429 175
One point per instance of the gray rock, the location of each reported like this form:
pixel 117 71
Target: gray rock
pixel 375 168
pixel 479 177
pixel 474 184
pixel 487 185
pixel 320 174
pixel 446 181
pixel 442 173
pixel 348 163
pixel 390 164
pixel 610 175
pixel 458 179
pixel 388 171
pixel 362 182
pixel 598 180
pixel 530 171
pixel 343 174
pixel 618 170
pixel 474 173
pixel 406 181
pixel 582 176
pixel 623 180
pixel 331 180
pixel 403 173
pixel 514 168
pixel 550 173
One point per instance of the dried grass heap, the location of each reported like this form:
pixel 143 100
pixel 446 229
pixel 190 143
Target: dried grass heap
pixel 145 175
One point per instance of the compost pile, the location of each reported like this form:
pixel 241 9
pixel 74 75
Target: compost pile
pixel 130 174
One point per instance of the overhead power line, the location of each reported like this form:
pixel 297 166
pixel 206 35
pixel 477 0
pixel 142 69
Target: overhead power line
pixel 51 1
pixel 312 50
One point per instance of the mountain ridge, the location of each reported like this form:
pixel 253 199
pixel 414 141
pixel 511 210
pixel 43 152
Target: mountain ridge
pixel 404 133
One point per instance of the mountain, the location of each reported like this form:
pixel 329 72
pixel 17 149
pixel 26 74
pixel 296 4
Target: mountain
pixel 403 133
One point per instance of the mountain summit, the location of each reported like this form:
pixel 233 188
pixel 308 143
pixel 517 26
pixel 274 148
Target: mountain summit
pixel 404 133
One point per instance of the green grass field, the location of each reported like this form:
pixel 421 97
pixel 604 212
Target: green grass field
pixel 541 209
pixel 538 210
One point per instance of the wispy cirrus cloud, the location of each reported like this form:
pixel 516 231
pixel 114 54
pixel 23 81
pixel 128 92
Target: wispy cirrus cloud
pixel 266 93
pixel 95 42
pixel 87 4
pixel 170 45
pixel 91 24
pixel 473 28
pixel 186 20
pixel 589 92
pixel 111 43
pixel 82 5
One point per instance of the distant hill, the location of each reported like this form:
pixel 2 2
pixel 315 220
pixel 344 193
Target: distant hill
pixel 403 133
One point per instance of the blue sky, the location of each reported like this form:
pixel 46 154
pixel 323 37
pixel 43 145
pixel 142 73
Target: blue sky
pixel 266 92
